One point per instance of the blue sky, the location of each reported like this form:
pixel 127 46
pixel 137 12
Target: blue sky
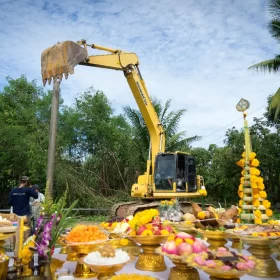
pixel 195 52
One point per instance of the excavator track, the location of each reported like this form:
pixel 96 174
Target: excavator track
pixel 140 207
pixel 122 210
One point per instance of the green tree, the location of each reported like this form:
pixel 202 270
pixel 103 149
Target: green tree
pixel 24 120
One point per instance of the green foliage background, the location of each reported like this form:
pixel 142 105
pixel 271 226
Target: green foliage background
pixel 100 154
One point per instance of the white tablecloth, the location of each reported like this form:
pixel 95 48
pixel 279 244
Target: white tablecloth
pixel 130 267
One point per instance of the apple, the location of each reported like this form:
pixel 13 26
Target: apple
pixel 140 230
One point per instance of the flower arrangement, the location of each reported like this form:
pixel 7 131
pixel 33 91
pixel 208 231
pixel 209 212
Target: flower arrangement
pixel 170 210
pixel 253 200
pixel 142 218
pixel 51 225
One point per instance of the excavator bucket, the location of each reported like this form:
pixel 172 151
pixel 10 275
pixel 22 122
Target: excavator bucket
pixel 61 59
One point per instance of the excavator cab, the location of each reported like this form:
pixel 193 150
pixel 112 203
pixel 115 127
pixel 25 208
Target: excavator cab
pixel 175 172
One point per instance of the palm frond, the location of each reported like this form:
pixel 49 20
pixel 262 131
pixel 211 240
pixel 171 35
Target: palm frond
pixel 277 112
pixel 271 66
pixel 173 121
pixel 274 8
pixel 275 104
pixel 193 138
pixel 165 109
pixel 274 28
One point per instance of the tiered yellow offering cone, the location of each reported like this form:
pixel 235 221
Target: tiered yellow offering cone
pixel 253 205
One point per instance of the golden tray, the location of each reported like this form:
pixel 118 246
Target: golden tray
pixel 213 233
pixel 257 239
pixel 149 240
pixel 183 226
pixel 221 274
pixel 85 247
pixel 215 239
pixel 149 259
pixel 181 270
pixel 106 271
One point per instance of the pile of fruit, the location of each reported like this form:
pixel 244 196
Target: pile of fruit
pixel 183 244
pixel 148 223
pixel 257 230
pixel 117 227
pixel 223 260
pixel 85 233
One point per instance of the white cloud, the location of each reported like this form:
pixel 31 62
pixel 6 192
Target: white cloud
pixel 193 51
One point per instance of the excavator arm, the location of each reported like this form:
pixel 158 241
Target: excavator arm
pixel 63 57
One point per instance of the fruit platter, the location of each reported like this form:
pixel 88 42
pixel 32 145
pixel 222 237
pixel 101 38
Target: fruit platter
pixel 147 229
pixel 261 239
pixel 176 248
pixel 81 240
pixel 214 217
pixel 224 264
pixel 117 227
pixel 267 231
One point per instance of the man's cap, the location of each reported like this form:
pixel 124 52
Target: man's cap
pixel 36 187
pixel 24 178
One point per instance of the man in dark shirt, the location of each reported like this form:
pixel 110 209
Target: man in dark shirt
pixel 19 198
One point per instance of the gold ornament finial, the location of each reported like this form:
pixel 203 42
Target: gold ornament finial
pixel 242 105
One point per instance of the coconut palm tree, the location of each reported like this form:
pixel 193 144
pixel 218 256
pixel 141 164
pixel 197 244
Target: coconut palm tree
pixel 272 65
pixel 170 119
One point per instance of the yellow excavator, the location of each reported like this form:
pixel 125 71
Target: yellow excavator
pixel 168 174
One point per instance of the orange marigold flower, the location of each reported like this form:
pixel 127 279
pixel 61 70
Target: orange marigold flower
pixel 269 212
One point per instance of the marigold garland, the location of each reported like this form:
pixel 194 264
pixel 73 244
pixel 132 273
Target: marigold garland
pixel 143 218
pixel 252 181
pixel 266 204
pixel 258 221
pixel 256 203
pixel 263 194
pixel 258 213
pixel 269 212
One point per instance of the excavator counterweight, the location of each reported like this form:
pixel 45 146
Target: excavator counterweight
pixel 61 59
